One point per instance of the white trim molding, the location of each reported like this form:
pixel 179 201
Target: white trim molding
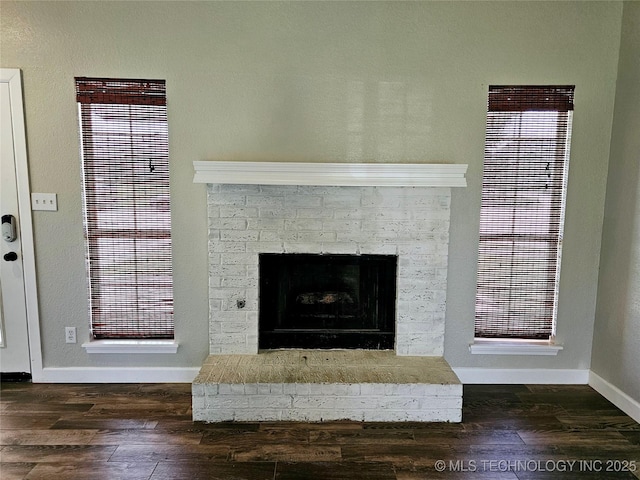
pixel 331 174
pixel 119 375
pixel 539 376
pixel 131 346
pixel 616 396
pixel 492 347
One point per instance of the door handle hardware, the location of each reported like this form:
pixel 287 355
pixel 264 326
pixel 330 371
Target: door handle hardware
pixel 9 231
pixel 11 256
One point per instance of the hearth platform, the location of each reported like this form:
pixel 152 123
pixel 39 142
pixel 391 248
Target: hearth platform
pixel 326 385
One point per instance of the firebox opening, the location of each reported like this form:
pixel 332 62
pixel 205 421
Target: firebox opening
pixel 327 301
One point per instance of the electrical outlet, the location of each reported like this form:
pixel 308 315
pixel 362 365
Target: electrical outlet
pixel 70 334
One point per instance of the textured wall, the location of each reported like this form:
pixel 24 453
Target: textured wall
pixel 312 81
pixel 616 344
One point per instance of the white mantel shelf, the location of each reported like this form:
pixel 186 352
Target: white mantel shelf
pixel 331 174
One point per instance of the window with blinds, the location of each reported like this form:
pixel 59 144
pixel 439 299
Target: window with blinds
pixel 522 211
pixel 125 165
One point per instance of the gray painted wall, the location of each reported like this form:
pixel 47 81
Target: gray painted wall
pixel 616 342
pixel 307 81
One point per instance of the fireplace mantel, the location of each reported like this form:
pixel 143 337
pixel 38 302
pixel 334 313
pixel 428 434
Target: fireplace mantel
pixel 331 174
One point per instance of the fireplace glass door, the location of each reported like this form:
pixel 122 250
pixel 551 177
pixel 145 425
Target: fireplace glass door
pixel 327 301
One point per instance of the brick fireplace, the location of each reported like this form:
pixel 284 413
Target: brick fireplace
pixel 262 209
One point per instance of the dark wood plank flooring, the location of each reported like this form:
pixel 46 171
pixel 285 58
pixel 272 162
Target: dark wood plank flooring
pixel 144 431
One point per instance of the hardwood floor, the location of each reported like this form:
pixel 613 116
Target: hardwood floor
pixel 144 431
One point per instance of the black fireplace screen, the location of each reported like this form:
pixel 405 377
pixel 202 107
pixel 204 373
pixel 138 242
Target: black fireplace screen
pixel 327 301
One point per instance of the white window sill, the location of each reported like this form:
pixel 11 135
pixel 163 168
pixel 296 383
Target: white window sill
pixel 514 347
pixel 131 346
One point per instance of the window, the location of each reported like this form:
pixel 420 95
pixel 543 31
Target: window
pixel 522 211
pixel 125 164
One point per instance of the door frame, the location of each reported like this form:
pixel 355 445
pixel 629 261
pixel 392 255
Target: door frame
pixel 13 77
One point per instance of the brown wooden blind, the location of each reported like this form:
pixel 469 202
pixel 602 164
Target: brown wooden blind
pixel 127 219
pixel 522 210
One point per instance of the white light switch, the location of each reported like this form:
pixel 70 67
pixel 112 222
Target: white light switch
pixel 44 201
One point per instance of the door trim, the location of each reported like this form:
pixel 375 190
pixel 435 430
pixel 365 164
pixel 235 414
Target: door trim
pixel 13 77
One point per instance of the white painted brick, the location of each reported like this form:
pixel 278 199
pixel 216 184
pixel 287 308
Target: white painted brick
pixel 398 403
pixel 339 248
pixel 239 189
pixel 269 236
pixel 351 403
pixel 342 225
pixel 265 201
pixel 201 415
pixel 227 223
pixel 234 282
pixel 352 236
pixel 302 389
pixel 238 212
pixel 347 199
pixel 375 389
pixel 239 348
pixel 316 236
pixel 389 215
pixel 227 270
pixel 300 247
pixel 319 190
pixel 230 401
pixel 276 212
pixel 316 402
pixel 264 246
pixel 303 201
pixel 263 402
pixel 397 389
pixel 235 327
pixel 323 213
pixel 279 189
pixel 227 247
pixel 228 199
pixel 256 415
pixel 227 293
pixel 231 340
pixel 378 248
pixel 436 403
pixel 213 212
pixel 250 388
pixel 237 389
pixel 319 389
pixel 252 344
pixel 303 224
pixel 211 389
pixel 351 213
pixel 198 402
pixel 288 389
pixel 239 235
pixel 343 389
pixel 239 259
pixel 234 316
pixel 265 223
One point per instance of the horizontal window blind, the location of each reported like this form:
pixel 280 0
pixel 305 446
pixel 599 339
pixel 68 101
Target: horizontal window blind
pixel 522 211
pixel 124 141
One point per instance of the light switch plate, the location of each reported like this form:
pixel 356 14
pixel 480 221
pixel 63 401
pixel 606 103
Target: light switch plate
pixel 44 201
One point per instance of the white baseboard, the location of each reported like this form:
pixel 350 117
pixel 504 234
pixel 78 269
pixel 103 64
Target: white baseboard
pixel 116 375
pixel 616 396
pixel 522 375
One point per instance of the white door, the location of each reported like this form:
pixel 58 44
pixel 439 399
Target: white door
pixel 14 341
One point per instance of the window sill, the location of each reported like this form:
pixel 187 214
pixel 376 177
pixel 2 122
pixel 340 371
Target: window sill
pixel 514 347
pixel 131 346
